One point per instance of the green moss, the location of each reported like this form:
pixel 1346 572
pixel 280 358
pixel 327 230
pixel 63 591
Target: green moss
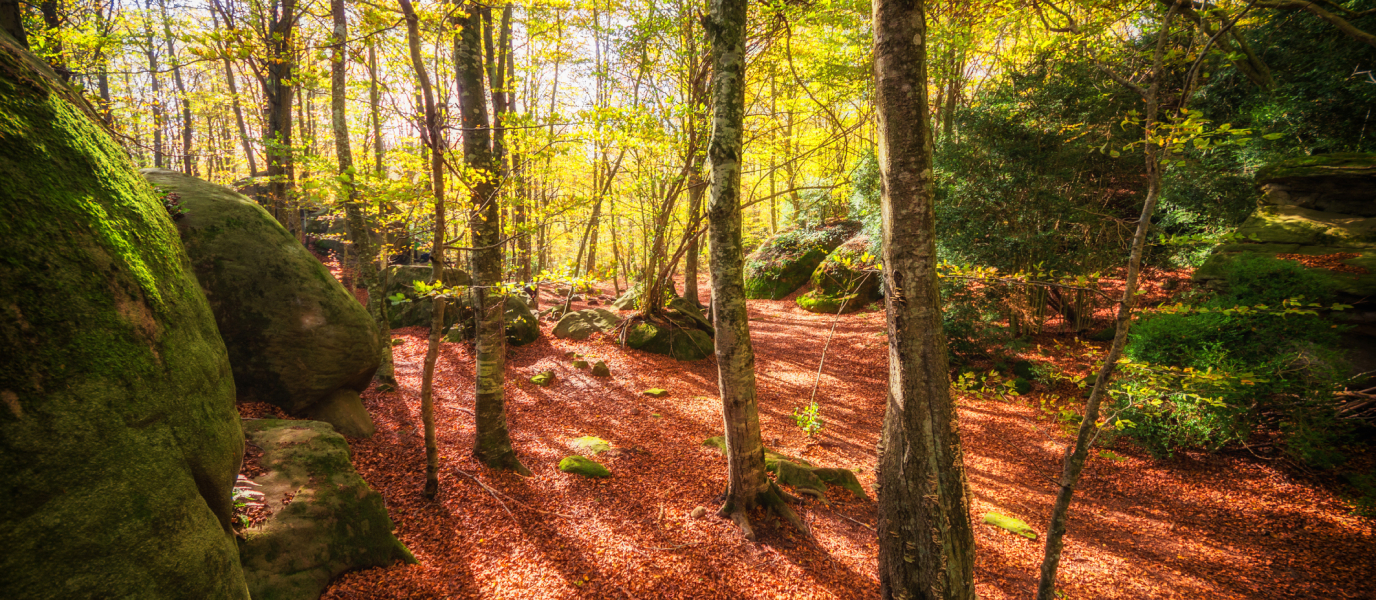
pixel 119 440
pixel 816 302
pixel 590 444
pixel 587 467
pixel 1328 165
pixel 543 379
pixel 784 262
pixel 1012 525
pixel 656 392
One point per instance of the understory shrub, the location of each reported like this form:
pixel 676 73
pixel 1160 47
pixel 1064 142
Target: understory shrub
pixel 1212 375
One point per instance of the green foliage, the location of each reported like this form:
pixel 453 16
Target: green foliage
pixel 808 419
pixel 1208 378
pixel 970 315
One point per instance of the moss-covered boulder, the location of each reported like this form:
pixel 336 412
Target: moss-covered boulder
pixel 600 369
pixel 294 334
pixel 325 519
pixel 580 324
pixel 401 279
pixel 1317 210
pixel 522 327
pixel 841 283
pixel 784 262
pixel 119 439
pixel 680 342
pixel 543 378
pixel 580 465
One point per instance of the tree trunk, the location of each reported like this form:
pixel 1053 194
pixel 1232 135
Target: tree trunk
pixel 690 260
pixel 926 544
pixel 1074 462
pixel 749 487
pixel 277 92
pixel 374 110
pixel 188 157
pixel 12 21
pixel 492 443
pixel 433 135
pixel 156 90
pixel 362 235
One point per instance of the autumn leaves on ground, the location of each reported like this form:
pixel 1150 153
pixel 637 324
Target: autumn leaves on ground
pixel 1197 526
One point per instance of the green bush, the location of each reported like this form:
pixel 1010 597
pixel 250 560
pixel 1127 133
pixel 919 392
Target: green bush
pixel 1250 370
pixel 970 317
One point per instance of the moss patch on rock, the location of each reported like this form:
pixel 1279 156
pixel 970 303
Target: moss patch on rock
pixel 325 518
pixel 801 474
pixel 294 334
pixel 581 465
pixel 580 324
pixel 1010 524
pixel 784 262
pixel 680 342
pixel 119 438
pixel 590 444
pixel 522 327
pixel 543 379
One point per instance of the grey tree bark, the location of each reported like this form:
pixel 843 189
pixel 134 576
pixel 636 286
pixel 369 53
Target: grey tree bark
pixel 492 443
pixel 749 487
pixel 926 544
pixel 433 135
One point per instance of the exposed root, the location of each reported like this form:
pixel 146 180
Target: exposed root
pixel 772 498
pixel 743 522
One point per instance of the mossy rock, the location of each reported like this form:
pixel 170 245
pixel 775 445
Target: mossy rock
pixel 590 444
pixel 543 379
pixel 119 438
pixel 682 343
pixel 294 334
pixel 580 324
pixel 816 302
pixel 784 262
pixel 600 369
pixel 837 275
pixel 325 518
pixel 587 467
pixel 401 279
pixel 580 364
pixel 1343 165
pixel 1010 524
pixel 521 325
pixel 656 392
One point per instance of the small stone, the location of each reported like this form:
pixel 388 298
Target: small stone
pixel 600 369
pixel 635 412
pixel 584 466
pixel 656 392
pixel 398 341
pixel 543 379
pixel 592 303
pixel 580 364
pixel 698 513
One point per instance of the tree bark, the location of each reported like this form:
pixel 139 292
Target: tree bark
pixel 433 135
pixel 374 109
pixel 690 259
pixel 361 233
pixel 12 21
pixel 749 487
pixel 156 91
pixel 926 544
pixel 277 92
pixel 492 443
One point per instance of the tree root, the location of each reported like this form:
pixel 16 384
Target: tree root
pixel 773 498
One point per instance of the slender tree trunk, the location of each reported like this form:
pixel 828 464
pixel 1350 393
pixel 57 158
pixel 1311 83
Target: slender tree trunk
pixel 926 544
pixel 748 485
pixel 492 444
pixel 433 135
pixel 156 90
pixel 188 157
pixel 374 108
pixel 362 235
pixel 1078 454
pixel 690 260
pixel 277 92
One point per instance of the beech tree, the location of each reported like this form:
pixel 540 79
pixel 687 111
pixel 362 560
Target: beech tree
pixel 926 544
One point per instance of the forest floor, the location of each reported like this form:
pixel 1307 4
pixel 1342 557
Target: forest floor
pixel 1196 526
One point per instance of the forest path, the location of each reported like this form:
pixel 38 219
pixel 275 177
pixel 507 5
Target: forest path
pixel 1194 527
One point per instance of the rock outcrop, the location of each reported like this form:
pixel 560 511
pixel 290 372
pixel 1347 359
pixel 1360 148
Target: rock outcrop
pixel 119 439
pixel 580 324
pixel 295 336
pixel 841 282
pixel 783 263
pixel 1318 210
pixel 324 518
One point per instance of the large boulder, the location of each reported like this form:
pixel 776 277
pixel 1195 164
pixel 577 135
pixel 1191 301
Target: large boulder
pixel 1318 210
pixel 784 262
pixel 670 339
pixel 401 279
pixel 842 282
pixel 522 327
pixel 580 324
pixel 295 335
pixel 119 438
pixel 324 519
